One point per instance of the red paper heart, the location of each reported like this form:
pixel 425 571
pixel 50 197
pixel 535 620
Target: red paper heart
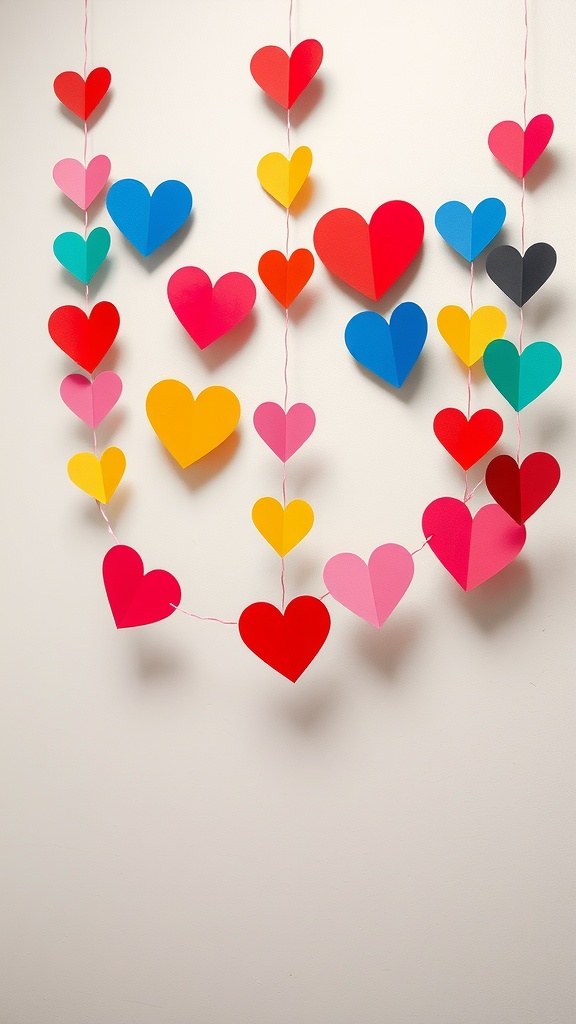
pixel 465 440
pixel 287 642
pixel 136 598
pixel 521 490
pixel 86 339
pixel 516 149
pixel 283 78
pixel 370 257
pixel 208 312
pixel 79 96
pixel 284 278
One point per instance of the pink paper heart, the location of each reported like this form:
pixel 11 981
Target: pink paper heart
pixel 516 149
pixel 471 549
pixel 91 400
pixel 370 591
pixel 82 184
pixel 137 598
pixel 208 312
pixel 284 432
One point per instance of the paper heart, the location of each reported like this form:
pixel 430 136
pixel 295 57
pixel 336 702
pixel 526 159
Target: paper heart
pixel 388 350
pixel 86 339
pixel 471 549
pixel 468 336
pixel 287 642
pixel 370 591
pixel 91 400
pixel 148 220
pixel 191 428
pixel 283 178
pixel 370 257
pixel 518 149
pixel 81 96
pixel 520 277
pixel 468 440
pixel 284 432
pixel 283 78
pixel 521 490
pixel 82 184
pixel 285 278
pixel 283 528
pixel 98 477
pixel 470 231
pixel 82 257
pixel 137 598
pixel 208 312
pixel 521 378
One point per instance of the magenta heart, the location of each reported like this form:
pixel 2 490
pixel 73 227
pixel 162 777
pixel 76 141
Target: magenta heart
pixel 82 184
pixel 517 148
pixel 137 598
pixel 370 591
pixel 284 432
pixel 471 549
pixel 208 312
pixel 91 400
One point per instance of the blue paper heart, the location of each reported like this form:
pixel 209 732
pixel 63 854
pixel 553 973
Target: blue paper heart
pixel 147 221
pixel 467 231
pixel 388 349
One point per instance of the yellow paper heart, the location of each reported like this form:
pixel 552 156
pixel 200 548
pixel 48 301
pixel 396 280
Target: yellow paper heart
pixel 283 528
pixel 191 428
pixel 98 477
pixel 469 336
pixel 283 178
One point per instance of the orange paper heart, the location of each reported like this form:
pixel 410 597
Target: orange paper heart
pixel 191 428
pixel 284 278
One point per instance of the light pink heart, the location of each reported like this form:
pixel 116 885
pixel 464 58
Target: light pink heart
pixel 208 312
pixel 370 591
pixel 91 400
pixel 518 149
pixel 471 549
pixel 82 184
pixel 284 432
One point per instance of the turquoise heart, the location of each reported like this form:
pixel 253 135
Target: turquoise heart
pixel 521 377
pixel 82 257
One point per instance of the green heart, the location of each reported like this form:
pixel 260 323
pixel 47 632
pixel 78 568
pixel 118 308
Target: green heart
pixel 82 257
pixel 521 376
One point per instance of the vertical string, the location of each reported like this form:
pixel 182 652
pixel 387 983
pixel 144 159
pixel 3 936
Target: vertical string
pixel 287 313
pixel 522 206
pixel 468 494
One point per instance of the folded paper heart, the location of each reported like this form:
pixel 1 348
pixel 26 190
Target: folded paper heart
pixel 517 148
pixel 520 277
pixel 91 400
pixel 81 96
pixel 467 335
pixel 137 598
pixel 82 184
pixel 207 312
pixel 521 377
pixel 285 278
pixel 148 220
pixel 389 350
pixel 98 477
pixel 283 178
pixel 288 641
pixel 468 440
pixel 191 428
pixel 370 257
pixel 283 528
pixel 370 591
pixel 284 432
pixel 471 549
pixel 283 78
pixel 470 231
pixel 521 490
pixel 82 257
pixel 85 338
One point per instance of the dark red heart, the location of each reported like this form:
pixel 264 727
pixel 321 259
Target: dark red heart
pixel 79 96
pixel 467 441
pixel 287 642
pixel 86 339
pixel 521 490
pixel 283 78
pixel 137 598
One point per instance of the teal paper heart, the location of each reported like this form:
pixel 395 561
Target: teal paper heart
pixel 82 257
pixel 521 377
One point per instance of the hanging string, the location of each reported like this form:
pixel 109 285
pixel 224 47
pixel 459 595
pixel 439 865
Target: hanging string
pixel 522 204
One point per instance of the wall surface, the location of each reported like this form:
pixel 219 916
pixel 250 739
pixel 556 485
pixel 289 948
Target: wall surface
pixel 186 836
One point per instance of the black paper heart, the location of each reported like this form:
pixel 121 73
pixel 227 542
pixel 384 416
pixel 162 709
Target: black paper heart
pixel 519 277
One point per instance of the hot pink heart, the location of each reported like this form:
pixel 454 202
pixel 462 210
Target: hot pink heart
pixel 208 312
pixel 137 598
pixel 91 400
pixel 370 591
pixel 284 432
pixel 471 549
pixel 516 149
pixel 82 184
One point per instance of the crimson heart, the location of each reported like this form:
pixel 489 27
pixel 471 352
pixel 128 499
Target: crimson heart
pixel 465 440
pixel 521 490
pixel 79 96
pixel 86 339
pixel 137 598
pixel 287 642
pixel 370 257
pixel 283 78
